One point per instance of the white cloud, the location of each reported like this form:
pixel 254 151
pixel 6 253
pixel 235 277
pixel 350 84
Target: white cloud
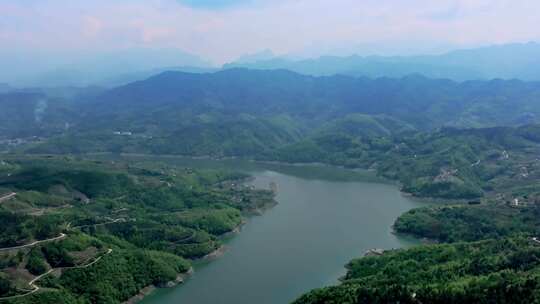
pixel 283 26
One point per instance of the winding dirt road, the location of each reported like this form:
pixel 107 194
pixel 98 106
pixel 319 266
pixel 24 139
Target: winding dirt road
pixel 36 288
pixel 7 197
pixel 61 236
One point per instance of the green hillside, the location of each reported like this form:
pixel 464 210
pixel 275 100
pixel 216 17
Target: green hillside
pixel 242 112
pixel 100 232
pixel 492 271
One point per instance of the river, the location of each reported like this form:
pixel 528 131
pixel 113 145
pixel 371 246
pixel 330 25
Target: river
pixel 325 217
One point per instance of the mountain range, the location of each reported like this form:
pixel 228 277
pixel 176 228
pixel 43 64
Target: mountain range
pixel 509 61
pixel 252 112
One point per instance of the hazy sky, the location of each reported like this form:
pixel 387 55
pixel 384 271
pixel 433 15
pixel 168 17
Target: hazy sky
pixel 222 30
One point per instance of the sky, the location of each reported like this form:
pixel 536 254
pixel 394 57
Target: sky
pixel 222 30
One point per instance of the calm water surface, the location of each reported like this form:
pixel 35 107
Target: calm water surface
pixel 325 217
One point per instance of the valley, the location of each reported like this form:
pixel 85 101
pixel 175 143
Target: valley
pixel 82 173
pixel 269 152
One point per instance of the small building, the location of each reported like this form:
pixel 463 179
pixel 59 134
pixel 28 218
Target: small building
pixel 374 252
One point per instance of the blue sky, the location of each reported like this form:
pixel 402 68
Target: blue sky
pixel 221 30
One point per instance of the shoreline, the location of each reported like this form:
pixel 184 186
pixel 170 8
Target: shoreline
pixel 380 179
pixel 182 277
pixel 146 291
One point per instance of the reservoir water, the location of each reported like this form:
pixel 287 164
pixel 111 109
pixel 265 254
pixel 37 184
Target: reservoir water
pixel 325 217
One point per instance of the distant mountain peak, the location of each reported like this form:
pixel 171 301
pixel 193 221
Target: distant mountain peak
pixel 505 61
pixel 266 54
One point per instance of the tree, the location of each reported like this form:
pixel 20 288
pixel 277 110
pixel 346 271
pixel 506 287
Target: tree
pixel 36 264
pixel 5 286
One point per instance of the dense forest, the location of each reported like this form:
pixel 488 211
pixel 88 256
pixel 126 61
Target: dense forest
pixel 491 271
pixel 240 112
pixel 101 231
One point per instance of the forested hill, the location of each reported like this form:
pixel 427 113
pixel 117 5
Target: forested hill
pixel 171 99
pixel 81 231
pixel 241 112
pixel 26 114
pixel 423 102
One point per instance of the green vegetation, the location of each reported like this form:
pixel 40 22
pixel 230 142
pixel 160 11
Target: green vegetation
pixel 119 276
pixel 470 223
pixel 491 256
pixel 474 142
pixel 36 263
pixel 492 271
pixel 18 229
pixel 252 113
pixel 126 225
pixel 450 163
pixel 390 125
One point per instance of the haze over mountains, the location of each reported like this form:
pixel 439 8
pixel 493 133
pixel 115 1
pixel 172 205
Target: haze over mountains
pixel 41 69
pixel 33 69
pixel 520 61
